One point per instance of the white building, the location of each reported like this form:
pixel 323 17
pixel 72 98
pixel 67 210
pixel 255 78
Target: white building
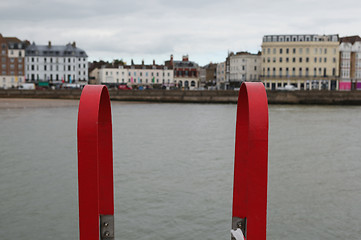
pixel 135 75
pixel 245 66
pixel 56 64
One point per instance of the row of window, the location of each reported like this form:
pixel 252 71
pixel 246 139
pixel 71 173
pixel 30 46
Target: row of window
pixel 299 38
pixel 55 60
pixel 12 60
pixel 12 66
pixel 135 74
pixel 53 77
pixel 12 73
pixel 316 72
pixel 243 68
pixel 294 50
pixel 50 68
pixel 300 60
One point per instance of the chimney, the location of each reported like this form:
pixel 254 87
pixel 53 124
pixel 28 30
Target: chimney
pixel 153 62
pixel 49 44
pixel 74 44
pixel 132 63
pixel 143 62
pixel 185 58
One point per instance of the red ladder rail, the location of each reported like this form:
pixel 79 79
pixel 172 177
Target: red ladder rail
pixel 95 164
pixel 249 210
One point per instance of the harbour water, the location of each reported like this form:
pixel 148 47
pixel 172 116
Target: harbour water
pixel 173 171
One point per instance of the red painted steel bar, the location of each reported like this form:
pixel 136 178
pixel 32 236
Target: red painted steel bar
pixel 251 162
pixel 95 164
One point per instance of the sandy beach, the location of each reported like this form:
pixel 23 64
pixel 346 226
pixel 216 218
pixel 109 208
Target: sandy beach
pixel 8 103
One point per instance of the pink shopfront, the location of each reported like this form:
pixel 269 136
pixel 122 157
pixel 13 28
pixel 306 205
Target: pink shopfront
pixel 346 86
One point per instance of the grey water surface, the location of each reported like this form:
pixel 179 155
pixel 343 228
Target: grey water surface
pixel 173 172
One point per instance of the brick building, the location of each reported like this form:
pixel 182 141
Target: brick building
pixel 12 69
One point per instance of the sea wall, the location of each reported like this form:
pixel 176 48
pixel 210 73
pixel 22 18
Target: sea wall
pixel 274 97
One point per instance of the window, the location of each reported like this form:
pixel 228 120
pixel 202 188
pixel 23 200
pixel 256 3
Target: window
pixel 300 59
pixel 325 60
pixel 300 72
pixel 300 50
pixel 280 59
pixel 307 50
pixel 294 50
pixel 274 50
pixel 274 60
pixel 287 59
pixel 287 51
pixel 315 59
pixel 307 59
pixel 293 59
pixel 293 72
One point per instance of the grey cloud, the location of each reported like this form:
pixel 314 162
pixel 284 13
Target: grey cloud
pixel 158 28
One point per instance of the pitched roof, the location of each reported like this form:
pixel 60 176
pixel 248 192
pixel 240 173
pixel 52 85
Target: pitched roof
pixel 55 50
pixel 351 39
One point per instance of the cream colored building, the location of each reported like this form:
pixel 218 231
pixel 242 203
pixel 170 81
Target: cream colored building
pixel 304 61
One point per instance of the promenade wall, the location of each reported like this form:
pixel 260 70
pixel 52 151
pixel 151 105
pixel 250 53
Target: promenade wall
pixel 274 97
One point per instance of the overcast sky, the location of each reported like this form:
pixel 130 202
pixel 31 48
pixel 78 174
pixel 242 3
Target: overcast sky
pixel 204 29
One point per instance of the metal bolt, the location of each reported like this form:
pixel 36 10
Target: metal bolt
pixel 107 234
pixel 106 224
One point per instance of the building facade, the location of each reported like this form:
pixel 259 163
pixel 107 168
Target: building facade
pixel 186 73
pixel 244 66
pixel 12 65
pixel 350 63
pixel 56 64
pixel 135 75
pixel 221 76
pixel 304 61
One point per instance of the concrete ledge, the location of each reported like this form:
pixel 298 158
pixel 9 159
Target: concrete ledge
pixel 274 97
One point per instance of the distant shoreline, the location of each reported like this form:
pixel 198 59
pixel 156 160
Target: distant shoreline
pixel 178 96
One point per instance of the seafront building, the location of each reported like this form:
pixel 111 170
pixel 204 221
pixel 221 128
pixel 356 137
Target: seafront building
pixel 53 64
pixel 12 69
pixel 242 67
pixel 208 76
pixel 304 61
pixel 135 75
pixel 350 63
pixel 221 76
pixel 186 73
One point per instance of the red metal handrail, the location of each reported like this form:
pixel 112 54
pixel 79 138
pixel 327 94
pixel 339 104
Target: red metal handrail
pixel 251 161
pixel 95 164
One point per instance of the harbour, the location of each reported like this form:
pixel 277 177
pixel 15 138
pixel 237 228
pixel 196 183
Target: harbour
pixel 314 170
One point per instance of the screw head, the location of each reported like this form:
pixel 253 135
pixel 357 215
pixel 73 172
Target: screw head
pixel 107 234
pixel 106 224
